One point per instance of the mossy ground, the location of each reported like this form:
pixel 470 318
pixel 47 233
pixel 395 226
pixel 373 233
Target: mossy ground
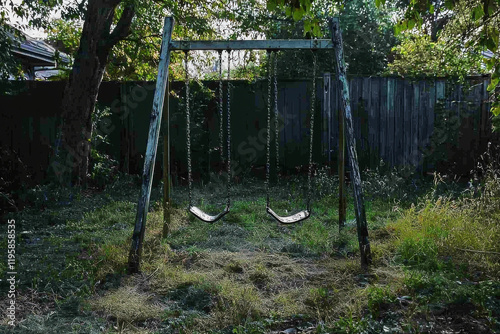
pixel 436 263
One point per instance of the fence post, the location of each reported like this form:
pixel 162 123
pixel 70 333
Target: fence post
pixel 149 161
pixel 167 200
pixel 328 112
pixel 341 168
pixel 364 244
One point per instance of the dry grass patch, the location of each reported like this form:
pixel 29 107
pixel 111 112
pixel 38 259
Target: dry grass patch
pixel 167 277
pixel 238 303
pixel 447 228
pixel 29 302
pixel 290 302
pixel 128 305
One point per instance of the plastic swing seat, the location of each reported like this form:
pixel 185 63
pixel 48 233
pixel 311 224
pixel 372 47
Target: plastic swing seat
pixel 295 218
pixel 195 211
pixel 205 217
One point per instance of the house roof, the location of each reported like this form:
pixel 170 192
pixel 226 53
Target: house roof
pixel 36 52
pixel 487 54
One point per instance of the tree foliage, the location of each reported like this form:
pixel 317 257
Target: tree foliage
pixel 472 24
pixel 368 36
pixel 366 53
pixel 418 56
pixel 9 66
pixel 300 10
pixel 136 56
pixel 9 36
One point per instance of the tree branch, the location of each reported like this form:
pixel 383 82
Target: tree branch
pixel 140 38
pixel 122 28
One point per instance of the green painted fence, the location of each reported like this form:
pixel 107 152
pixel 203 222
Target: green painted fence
pixel 426 124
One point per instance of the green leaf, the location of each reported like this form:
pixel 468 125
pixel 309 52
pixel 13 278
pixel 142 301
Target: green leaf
pixel 431 9
pixel 494 35
pixel 495 74
pixel 490 63
pixel 492 9
pixel 306 4
pixel 288 11
pixel 491 44
pixel 493 84
pixel 411 24
pixel 298 14
pixel 399 27
pixel 317 31
pixel 271 5
pixel 477 13
pixel 449 4
pixel 495 110
pixel 307 26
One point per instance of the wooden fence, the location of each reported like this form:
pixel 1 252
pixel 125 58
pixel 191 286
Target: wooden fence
pixel 426 124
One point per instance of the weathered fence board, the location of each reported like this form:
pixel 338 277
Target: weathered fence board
pixel 395 121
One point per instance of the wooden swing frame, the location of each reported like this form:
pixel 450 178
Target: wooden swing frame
pixel 169 45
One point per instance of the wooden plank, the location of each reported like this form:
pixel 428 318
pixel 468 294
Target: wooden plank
pixel 398 123
pixel 365 98
pixel 277 44
pixel 414 124
pixel 282 97
pixel 485 115
pixel 362 227
pixel 402 92
pixel 341 171
pixel 430 124
pixel 286 117
pixel 422 123
pixel 477 115
pixel 390 121
pixel 354 107
pixel 167 200
pixel 408 115
pixel 327 115
pixel 356 86
pixel 383 119
pixel 149 160
pixel 374 124
pixel 440 90
pixel 336 105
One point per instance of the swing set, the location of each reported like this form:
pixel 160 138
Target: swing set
pixel 272 47
pixel 207 218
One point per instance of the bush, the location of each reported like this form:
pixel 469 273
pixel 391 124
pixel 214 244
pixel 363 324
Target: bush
pixel 103 167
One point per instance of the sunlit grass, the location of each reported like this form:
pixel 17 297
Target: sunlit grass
pixel 247 274
pixel 448 230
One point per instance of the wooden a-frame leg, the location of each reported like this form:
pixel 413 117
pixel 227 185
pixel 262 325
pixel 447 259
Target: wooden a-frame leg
pixel 152 146
pixel 364 244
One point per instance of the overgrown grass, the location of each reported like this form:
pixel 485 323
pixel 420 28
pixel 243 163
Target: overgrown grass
pixel 435 258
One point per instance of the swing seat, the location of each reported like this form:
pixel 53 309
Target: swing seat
pixel 299 216
pixel 205 217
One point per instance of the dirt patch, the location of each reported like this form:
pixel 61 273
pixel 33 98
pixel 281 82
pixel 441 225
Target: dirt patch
pixel 29 302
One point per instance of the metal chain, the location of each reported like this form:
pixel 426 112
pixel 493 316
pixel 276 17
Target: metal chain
pixel 313 102
pixel 268 155
pixel 221 111
pixel 276 125
pixel 228 128
pixel 188 129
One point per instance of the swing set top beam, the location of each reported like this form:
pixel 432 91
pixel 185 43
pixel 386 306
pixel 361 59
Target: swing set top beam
pixel 275 44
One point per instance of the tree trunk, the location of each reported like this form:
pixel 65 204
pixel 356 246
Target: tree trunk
pixel 81 91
